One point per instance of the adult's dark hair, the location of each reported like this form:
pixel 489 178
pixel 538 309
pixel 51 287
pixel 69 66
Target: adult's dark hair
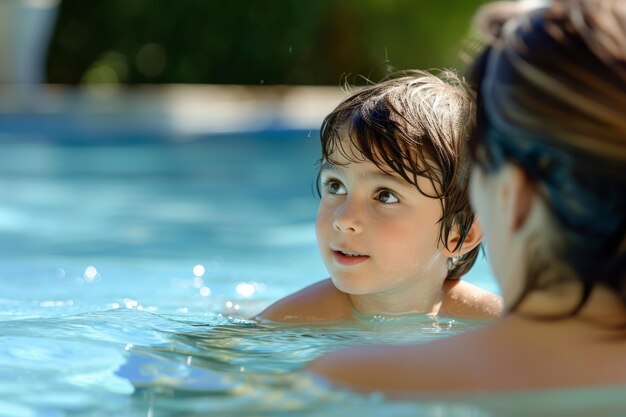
pixel 551 98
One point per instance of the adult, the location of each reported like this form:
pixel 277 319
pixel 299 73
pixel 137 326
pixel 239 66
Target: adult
pixel 549 187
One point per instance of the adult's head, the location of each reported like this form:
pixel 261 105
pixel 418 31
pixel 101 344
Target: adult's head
pixel 551 138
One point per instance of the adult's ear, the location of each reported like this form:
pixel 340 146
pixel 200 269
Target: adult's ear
pixel 516 194
pixel 472 239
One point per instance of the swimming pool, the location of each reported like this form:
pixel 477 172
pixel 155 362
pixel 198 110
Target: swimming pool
pixel 131 262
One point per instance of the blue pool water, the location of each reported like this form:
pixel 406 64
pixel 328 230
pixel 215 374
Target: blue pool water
pixel 129 267
pixel 93 225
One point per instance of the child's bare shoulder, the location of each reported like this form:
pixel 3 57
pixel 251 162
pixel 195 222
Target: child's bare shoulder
pixel 318 303
pixel 462 299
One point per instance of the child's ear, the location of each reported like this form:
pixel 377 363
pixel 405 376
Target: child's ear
pixel 472 239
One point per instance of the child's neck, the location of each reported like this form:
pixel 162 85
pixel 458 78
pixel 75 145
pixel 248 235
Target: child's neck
pixel 422 297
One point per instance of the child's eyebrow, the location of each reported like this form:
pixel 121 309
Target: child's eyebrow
pixel 370 175
pixel 327 166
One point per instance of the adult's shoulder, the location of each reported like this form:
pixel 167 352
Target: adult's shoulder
pixel 408 371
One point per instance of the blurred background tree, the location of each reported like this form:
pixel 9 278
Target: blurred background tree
pixel 313 42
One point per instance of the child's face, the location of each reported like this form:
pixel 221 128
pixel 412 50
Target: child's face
pixel 376 232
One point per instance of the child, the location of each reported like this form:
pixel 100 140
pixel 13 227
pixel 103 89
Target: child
pixel 549 186
pixel 394 225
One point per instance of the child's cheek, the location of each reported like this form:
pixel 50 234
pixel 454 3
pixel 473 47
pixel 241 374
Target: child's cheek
pixel 323 223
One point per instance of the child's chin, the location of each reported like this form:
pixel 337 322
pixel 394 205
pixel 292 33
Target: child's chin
pixel 352 286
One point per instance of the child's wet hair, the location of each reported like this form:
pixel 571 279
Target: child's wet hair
pixel 415 124
pixel 551 96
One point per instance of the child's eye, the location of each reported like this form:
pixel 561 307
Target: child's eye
pixel 332 186
pixel 387 197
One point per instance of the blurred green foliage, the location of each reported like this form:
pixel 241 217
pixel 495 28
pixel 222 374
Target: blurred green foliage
pixel 253 41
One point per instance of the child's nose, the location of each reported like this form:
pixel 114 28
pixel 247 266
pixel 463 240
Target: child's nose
pixel 348 217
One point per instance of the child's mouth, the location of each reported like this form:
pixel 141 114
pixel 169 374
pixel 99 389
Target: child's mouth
pixel 348 258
